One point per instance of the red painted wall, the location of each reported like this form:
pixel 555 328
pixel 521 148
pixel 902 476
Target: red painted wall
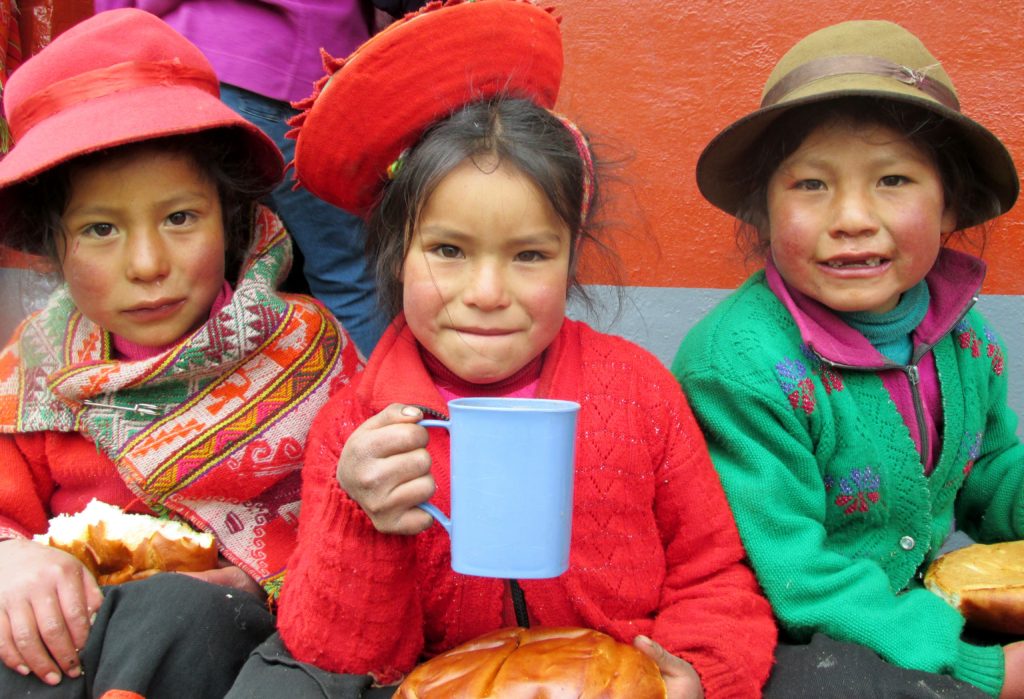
pixel 656 80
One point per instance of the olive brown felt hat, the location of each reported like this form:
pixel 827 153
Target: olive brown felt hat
pixel 421 69
pixel 868 58
pixel 118 77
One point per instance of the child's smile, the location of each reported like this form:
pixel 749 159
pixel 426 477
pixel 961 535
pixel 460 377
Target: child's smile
pixel 487 272
pixel 856 216
pixel 844 262
pixel 144 246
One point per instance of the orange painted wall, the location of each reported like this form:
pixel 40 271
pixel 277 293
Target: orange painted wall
pixel 656 80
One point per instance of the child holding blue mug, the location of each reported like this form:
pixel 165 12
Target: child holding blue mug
pixel 480 201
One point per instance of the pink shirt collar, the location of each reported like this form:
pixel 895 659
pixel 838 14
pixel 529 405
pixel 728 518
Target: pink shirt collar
pixel 953 283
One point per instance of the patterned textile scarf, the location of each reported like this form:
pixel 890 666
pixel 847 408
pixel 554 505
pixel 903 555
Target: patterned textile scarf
pixel 211 430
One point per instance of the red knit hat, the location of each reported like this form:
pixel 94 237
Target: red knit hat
pixel 118 77
pixel 379 101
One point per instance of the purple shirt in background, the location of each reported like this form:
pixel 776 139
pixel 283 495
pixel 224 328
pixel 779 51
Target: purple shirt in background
pixel 270 47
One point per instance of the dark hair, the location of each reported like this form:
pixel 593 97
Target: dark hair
pixel 963 188
pixel 34 209
pixel 516 131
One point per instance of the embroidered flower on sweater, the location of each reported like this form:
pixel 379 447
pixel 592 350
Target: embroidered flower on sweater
pixel 796 382
pixel 994 351
pixel 971 443
pixel 967 338
pixel 830 378
pixel 798 387
pixel 858 491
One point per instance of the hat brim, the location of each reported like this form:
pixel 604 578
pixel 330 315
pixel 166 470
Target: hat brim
pixel 132 116
pixel 727 153
pixel 414 73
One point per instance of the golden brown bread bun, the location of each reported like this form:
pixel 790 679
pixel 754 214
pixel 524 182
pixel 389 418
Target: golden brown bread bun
pixel 552 663
pixel 985 582
pixel 117 547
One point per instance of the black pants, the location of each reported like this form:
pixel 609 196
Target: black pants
pixel 272 672
pixel 169 636
pixel 829 669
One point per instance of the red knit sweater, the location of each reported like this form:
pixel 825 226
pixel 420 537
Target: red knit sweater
pixel 654 547
pixel 52 473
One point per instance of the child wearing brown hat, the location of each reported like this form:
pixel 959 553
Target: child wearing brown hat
pixel 853 397
pixel 165 375
pixel 480 202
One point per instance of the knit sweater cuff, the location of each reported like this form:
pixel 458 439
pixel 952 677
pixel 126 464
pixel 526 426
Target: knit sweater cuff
pixel 387 554
pixel 982 666
pixel 10 530
pixel 720 680
pixel 7 533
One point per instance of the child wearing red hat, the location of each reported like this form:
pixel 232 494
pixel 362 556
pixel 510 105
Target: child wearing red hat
pixel 165 375
pixel 480 202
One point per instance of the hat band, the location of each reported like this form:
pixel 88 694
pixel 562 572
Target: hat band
pixel 101 82
pixel 831 66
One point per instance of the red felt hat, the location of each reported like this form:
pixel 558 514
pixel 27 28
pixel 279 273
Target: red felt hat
pixel 380 100
pixel 118 77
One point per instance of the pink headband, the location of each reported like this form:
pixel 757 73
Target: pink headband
pixel 588 165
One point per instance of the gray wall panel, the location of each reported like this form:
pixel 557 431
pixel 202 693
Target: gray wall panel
pixel 658 318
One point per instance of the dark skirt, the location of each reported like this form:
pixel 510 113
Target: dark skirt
pixel 829 669
pixel 167 636
pixel 271 671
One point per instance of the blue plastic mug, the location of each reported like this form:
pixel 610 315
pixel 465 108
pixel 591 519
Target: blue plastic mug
pixel 511 485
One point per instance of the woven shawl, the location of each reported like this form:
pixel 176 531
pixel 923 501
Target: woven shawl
pixel 232 404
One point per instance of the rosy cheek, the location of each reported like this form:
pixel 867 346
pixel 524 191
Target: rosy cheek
pixel 73 275
pixel 785 248
pixel 549 300
pixel 84 279
pixel 789 247
pixel 789 219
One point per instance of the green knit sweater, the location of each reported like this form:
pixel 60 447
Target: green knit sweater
pixel 827 486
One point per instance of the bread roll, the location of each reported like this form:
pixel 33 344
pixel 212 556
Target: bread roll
pixel 117 547
pixel 985 582
pixel 552 663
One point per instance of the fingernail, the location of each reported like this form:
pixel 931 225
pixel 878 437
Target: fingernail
pixel 52 678
pixel 410 411
pixel 23 669
pixel 92 619
pixel 74 672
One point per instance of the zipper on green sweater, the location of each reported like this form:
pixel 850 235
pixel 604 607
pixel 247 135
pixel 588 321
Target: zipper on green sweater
pixel 914 377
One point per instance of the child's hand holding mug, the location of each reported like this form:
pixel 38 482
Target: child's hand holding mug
pixel 385 468
pixel 512 466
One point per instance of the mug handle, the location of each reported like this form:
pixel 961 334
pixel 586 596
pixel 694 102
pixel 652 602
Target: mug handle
pixel 432 510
